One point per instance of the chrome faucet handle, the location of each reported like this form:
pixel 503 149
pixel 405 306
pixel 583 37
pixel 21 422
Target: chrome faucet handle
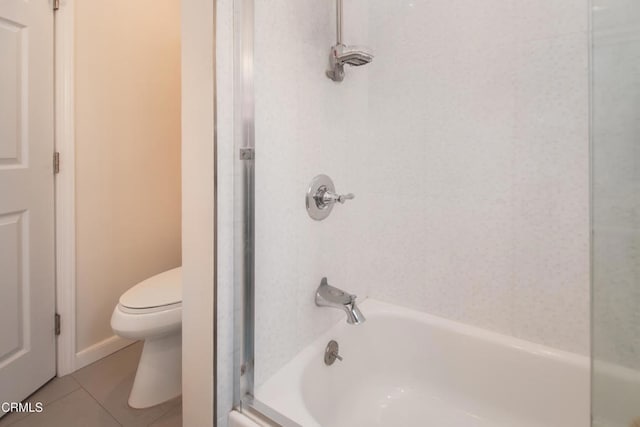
pixel 344 197
pixel 328 197
pixel 322 197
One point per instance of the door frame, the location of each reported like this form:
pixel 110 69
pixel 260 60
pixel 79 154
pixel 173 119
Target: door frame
pixel 68 357
pixel 65 228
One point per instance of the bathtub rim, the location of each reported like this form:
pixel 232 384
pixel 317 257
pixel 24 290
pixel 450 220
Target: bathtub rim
pixel 373 308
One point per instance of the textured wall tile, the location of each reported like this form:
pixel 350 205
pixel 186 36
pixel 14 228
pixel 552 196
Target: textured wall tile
pixel 305 125
pixel 465 142
pixel 539 19
pixel 551 193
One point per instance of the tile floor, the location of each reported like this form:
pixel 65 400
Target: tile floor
pixel 96 396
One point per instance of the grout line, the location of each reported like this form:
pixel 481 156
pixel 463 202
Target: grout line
pixel 10 423
pixel 50 403
pixel 90 394
pixel 66 394
pixel 28 399
pixel 100 404
pixel 102 359
pixel 170 408
pixel 80 386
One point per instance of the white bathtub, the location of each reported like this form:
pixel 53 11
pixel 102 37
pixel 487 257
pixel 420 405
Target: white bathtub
pixel 406 368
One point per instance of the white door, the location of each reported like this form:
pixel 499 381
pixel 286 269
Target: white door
pixel 27 280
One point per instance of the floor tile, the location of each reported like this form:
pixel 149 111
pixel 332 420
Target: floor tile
pixel 52 391
pixel 12 418
pixel 109 381
pixel 173 418
pixel 116 366
pixel 55 389
pixel 77 409
pixel 97 396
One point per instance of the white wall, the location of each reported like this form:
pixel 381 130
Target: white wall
pixel 127 116
pixel 466 144
pixel 198 192
pixel 305 125
pixel 479 143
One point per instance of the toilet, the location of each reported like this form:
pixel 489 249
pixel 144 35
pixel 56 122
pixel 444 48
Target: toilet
pixel 152 311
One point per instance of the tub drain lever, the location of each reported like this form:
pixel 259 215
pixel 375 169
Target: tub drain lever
pixel 331 353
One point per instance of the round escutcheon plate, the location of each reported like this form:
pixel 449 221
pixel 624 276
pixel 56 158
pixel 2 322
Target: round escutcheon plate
pixel 315 208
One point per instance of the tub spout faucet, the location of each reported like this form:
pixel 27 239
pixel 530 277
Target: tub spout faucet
pixel 330 296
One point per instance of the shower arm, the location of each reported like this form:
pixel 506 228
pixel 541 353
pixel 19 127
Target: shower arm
pixel 338 22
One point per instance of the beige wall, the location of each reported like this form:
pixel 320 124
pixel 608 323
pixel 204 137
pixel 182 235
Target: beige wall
pixel 127 152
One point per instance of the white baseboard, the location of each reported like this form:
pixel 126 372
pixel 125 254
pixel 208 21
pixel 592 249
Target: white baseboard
pixel 100 350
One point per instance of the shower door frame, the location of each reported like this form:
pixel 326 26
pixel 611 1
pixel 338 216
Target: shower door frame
pixel 244 399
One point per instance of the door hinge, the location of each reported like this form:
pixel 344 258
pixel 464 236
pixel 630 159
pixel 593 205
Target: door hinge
pixel 56 4
pixel 56 162
pixel 57 324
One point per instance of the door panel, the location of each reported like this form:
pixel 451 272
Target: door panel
pixel 12 310
pixel 27 279
pixel 12 45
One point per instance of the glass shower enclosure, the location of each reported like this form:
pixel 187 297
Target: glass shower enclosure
pixel 615 134
pixel 413 212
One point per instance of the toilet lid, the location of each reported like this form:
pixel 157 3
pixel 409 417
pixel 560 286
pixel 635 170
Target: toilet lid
pixel 157 291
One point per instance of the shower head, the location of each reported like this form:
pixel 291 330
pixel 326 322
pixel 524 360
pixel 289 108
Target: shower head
pixel 342 54
pixel 352 55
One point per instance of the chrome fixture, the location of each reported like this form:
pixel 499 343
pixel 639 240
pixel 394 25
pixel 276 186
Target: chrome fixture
pixel 322 196
pixel 331 353
pixel 329 296
pixel 342 54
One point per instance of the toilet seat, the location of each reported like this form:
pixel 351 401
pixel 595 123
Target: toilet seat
pixel 130 310
pixel 139 325
pixel 161 290
pixel 151 308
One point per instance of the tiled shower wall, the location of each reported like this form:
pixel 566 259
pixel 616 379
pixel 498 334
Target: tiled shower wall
pixel 466 144
pixel 478 143
pixel 305 125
